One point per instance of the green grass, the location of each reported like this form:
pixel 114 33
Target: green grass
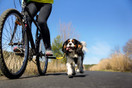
pixel 87 66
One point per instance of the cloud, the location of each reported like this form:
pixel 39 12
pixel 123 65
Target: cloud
pixel 100 49
pixel 91 60
pixel 96 52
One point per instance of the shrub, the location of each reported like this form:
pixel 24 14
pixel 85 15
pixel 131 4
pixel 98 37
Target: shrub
pixel 116 62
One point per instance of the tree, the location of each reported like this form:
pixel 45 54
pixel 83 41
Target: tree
pixel 128 48
pixel 67 31
pixel 57 48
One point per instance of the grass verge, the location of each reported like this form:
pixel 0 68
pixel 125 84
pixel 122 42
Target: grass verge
pixel 117 62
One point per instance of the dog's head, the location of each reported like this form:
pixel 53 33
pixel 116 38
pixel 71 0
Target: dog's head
pixel 71 45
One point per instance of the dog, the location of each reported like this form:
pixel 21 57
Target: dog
pixel 74 52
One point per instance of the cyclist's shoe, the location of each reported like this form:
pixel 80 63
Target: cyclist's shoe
pixel 19 51
pixel 49 52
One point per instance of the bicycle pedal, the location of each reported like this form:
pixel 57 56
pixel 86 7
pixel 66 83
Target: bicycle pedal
pixel 51 57
pixel 19 54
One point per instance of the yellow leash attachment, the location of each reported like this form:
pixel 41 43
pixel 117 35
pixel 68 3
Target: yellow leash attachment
pixel 59 58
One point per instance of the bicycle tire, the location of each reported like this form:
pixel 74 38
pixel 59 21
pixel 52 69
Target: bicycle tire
pixel 42 61
pixel 8 16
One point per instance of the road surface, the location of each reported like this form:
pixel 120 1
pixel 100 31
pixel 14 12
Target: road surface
pixel 90 79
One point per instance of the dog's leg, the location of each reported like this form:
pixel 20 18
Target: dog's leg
pixel 82 61
pixel 69 69
pixel 73 68
pixel 80 65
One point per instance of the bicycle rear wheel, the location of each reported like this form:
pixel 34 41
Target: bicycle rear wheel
pixel 12 35
pixel 42 60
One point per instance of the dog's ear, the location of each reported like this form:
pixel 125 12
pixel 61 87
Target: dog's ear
pixel 64 46
pixel 77 44
pixel 79 49
pixel 80 46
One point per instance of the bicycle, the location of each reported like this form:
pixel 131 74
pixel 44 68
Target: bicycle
pixel 16 32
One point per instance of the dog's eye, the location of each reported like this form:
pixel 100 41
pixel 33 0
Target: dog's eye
pixel 68 41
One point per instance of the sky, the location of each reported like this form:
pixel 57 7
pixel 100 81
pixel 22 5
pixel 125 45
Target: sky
pixel 102 24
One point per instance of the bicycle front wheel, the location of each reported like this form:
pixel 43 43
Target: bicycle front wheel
pixel 42 60
pixel 13 62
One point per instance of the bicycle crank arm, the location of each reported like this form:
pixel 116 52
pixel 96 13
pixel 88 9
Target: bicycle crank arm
pixel 15 44
pixel 51 57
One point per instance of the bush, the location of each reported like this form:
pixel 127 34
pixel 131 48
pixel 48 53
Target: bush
pixel 117 62
pixel 88 66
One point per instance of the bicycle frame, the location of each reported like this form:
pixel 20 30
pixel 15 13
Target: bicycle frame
pixel 28 30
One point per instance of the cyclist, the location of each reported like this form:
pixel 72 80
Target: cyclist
pixel 44 8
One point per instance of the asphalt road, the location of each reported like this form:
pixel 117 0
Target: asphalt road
pixel 90 79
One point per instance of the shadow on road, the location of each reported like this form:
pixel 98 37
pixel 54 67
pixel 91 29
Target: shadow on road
pixel 54 74
pixel 57 74
pixel 80 75
pixel 48 74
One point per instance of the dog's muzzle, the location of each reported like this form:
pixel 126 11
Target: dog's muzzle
pixel 69 48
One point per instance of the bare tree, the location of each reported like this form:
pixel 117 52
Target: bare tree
pixel 67 31
pixel 128 48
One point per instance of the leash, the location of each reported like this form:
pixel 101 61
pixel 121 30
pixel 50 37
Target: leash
pixel 59 58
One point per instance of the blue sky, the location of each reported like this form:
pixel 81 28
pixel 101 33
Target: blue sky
pixel 102 24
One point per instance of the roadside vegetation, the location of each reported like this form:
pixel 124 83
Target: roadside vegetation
pixel 117 61
pixel 53 67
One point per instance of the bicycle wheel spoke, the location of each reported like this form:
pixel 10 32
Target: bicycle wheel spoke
pixel 7 33
pixel 9 27
pixel 6 39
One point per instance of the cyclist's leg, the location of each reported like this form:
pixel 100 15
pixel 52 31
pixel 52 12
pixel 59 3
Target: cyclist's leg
pixel 42 20
pixel 33 9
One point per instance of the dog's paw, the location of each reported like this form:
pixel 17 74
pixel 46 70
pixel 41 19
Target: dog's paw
pixel 74 74
pixel 80 71
pixel 70 76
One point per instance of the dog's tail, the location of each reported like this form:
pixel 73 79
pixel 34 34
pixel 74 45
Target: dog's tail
pixel 84 49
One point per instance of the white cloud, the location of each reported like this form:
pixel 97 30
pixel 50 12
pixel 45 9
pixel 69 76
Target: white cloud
pixel 100 49
pixel 96 52
pixel 91 60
